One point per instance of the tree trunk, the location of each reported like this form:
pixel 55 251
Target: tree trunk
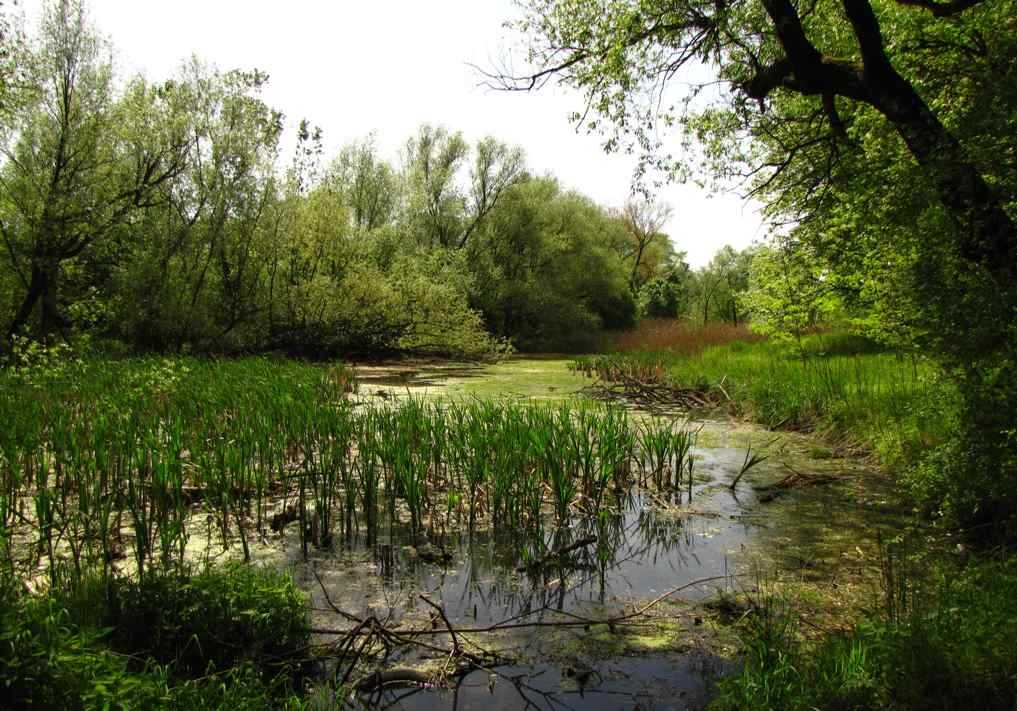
pixel 988 237
pixel 41 289
pixel 35 290
pixel 987 234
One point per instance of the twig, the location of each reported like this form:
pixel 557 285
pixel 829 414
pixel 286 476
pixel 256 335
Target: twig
pixel 448 625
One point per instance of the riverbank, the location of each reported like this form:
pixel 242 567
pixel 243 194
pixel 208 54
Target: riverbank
pixel 937 634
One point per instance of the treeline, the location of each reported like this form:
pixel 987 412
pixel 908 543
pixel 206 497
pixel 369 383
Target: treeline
pixel 165 216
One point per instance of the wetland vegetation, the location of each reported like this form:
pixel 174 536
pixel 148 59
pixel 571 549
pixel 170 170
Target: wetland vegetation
pixel 278 433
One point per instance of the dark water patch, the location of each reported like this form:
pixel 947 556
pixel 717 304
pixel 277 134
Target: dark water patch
pixel 649 543
pixel 653 682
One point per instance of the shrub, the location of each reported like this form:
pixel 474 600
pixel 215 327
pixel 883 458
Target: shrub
pixel 216 619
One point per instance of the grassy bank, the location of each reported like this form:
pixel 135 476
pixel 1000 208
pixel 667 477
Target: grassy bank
pixel 845 388
pixel 233 637
pixel 943 640
pixel 943 636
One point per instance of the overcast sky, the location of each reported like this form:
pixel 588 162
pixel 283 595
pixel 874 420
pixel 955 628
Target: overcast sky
pixel 390 65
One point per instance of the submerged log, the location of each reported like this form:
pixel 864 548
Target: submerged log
pixel 376 680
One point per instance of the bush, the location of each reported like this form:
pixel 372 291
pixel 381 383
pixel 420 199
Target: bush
pixel 953 650
pixel 48 662
pixel 228 639
pixel 216 619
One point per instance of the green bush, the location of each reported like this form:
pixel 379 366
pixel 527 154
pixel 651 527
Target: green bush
pixel 953 650
pixel 48 662
pixel 226 639
pixel 216 619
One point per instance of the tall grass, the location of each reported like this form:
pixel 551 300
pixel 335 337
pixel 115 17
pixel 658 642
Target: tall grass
pixel 896 406
pixel 951 647
pixel 677 336
pixel 132 458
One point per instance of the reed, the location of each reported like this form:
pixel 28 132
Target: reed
pixel 133 457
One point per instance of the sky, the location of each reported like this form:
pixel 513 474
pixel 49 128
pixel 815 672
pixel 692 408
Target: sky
pixel 388 66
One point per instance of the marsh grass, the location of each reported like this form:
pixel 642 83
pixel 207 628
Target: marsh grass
pixel 134 458
pixel 950 646
pixel 678 336
pixel 897 406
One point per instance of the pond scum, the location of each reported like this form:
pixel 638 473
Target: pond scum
pixel 119 464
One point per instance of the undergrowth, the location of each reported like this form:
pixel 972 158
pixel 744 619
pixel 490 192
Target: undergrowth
pixel 221 639
pixel 950 647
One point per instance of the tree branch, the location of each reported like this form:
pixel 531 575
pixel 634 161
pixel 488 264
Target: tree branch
pixel 942 9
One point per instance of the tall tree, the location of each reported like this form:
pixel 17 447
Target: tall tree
pixel 444 212
pixel 767 53
pixel 79 163
pixel 643 220
pixel 367 184
pixel 201 276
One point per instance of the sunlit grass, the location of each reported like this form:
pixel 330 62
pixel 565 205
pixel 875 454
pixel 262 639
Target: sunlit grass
pixel 114 459
pixel 896 406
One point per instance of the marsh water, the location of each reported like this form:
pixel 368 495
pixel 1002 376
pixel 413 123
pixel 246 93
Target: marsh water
pixel 706 542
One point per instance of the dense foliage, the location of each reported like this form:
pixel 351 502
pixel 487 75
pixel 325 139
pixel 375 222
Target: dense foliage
pixel 880 134
pixel 163 216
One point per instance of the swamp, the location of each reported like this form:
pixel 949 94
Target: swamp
pixel 518 354
pixel 531 545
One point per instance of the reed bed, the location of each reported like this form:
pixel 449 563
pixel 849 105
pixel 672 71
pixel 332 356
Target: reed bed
pixel 111 460
pixel 676 336
pixel 897 406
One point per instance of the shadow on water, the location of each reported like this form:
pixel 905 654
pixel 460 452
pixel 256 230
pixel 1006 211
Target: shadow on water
pixel 646 683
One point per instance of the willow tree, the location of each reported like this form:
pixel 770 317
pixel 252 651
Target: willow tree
pixel 79 159
pixel 881 131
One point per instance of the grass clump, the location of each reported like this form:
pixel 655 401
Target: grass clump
pixel 214 620
pixel 227 638
pixel 952 648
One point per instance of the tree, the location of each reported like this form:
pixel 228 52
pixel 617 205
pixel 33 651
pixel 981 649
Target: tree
pixel 768 55
pixel 667 295
pixel 443 212
pixel 79 163
pixel 367 184
pixel 643 220
pixel 11 61
pixel 433 159
pixel 546 271
pixel 880 130
pixel 790 291
pixel 199 275
pixel 720 285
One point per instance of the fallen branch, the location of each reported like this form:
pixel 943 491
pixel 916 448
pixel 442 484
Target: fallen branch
pixel 557 554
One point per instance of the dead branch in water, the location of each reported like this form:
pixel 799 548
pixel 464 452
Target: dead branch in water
pixel 557 554
pixel 355 643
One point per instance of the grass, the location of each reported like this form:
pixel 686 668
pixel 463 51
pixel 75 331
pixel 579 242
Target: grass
pixel 843 387
pixel 950 647
pixel 683 337
pixel 180 644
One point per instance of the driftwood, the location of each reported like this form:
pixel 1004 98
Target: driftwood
pixel 389 677
pixel 557 554
pixel 794 480
pixel 653 394
pixel 356 641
